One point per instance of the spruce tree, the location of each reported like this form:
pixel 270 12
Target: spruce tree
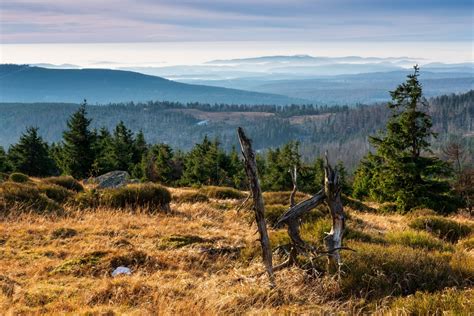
pixel 78 151
pixel 103 148
pixel 31 155
pixel 158 164
pixel 4 163
pixel 123 147
pixel 403 169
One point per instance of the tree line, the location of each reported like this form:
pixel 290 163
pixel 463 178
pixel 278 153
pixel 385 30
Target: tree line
pixel 84 152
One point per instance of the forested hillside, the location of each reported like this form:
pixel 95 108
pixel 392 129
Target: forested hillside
pixel 22 83
pixel 342 131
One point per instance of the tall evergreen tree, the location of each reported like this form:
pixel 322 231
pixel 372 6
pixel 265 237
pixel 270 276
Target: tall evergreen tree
pixel 4 163
pixel 103 148
pixel 31 155
pixel 403 169
pixel 78 151
pixel 123 147
pixel 158 164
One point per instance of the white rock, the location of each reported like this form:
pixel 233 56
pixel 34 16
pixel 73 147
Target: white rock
pixel 121 270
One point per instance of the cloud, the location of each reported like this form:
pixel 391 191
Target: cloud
pixel 37 21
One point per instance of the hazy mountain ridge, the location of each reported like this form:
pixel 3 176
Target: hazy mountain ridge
pixel 22 83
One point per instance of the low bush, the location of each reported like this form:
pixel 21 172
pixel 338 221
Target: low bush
pixel 450 301
pixel 66 182
pixel 441 227
pixel 282 198
pixel 376 271
pixel 55 192
pixel 417 239
pixel 188 196
pixel 388 207
pixel 221 193
pixel 18 177
pixel 19 197
pixel 136 195
pixel 88 199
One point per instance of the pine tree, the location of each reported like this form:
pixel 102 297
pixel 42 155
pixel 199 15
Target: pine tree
pixel 103 148
pixel 158 164
pixel 123 147
pixel 403 170
pixel 78 151
pixel 31 155
pixel 4 163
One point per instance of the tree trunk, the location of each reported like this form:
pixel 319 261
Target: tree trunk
pixel 295 186
pixel 252 175
pixel 333 240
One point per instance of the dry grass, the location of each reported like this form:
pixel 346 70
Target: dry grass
pixel 194 261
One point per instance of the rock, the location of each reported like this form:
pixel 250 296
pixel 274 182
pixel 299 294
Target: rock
pixel 121 270
pixel 113 179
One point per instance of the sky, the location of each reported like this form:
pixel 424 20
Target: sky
pixel 340 26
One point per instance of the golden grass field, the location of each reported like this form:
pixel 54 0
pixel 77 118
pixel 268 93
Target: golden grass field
pixel 202 258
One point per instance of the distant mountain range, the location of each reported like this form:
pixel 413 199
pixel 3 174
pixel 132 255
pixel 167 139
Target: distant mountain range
pixel 23 83
pixel 277 80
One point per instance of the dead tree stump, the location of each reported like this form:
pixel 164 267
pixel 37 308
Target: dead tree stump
pixel 252 175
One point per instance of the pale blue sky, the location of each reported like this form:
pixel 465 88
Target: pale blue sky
pixel 104 21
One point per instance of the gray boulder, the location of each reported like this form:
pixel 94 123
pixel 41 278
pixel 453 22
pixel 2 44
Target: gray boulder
pixel 112 179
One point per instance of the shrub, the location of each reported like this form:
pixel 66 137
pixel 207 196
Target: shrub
pixel 188 196
pixel 3 176
pixel 388 207
pixel 145 195
pixel 222 193
pixel 416 239
pixel 383 270
pixel 55 192
pixel 24 197
pixel 450 301
pixel 88 199
pixel 19 177
pixel 441 227
pixel 282 198
pixel 66 182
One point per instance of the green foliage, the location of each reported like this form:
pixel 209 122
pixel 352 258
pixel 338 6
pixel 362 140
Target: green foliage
pixel 188 196
pixel 66 182
pixel 25 197
pixel 159 165
pixel 279 163
pixel 77 153
pixel 441 227
pixel 137 195
pixel 81 265
pixel 416 239
pixel 4 163
pixel 221 193
pixel 55 192
pixel 274 212
pixel 401 171
pixel 31 155
pixel 18 177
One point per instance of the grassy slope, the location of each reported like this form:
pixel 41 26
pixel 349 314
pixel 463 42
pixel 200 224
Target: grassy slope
pixel 63 264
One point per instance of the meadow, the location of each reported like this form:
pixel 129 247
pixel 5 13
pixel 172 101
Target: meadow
pixel 199 255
